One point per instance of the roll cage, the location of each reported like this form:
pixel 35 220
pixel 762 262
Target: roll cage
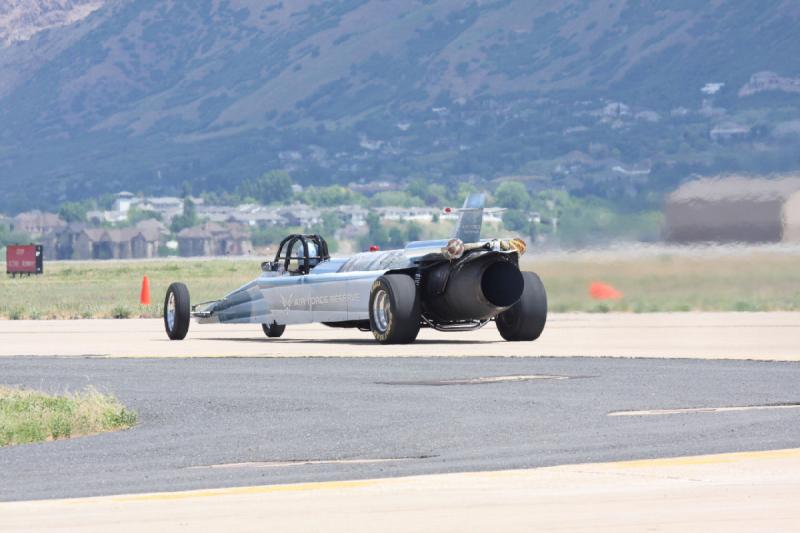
pixel 295 247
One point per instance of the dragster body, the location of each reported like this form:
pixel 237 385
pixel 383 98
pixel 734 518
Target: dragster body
pixel 449 285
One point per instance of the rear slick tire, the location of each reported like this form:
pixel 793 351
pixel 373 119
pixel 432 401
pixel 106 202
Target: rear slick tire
pixel 177 312
pixel 525 320
pixel 394 309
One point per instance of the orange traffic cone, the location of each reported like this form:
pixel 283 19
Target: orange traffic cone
pixel 603 291
pixel 144 299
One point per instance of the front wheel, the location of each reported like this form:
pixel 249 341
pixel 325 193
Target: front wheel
pixel 524 321
pixel 177 313
pixel 273 330
pixel 394 309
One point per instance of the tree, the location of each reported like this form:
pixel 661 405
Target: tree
pixel 395 198
pixel 413 232
pixel 512 195
pixel 268 235
pixel 376 233
pixel 464 190
pixel 12 237
pixel 136 215
pixel 430 193
pixel 397 238
pixel 73 211
pixel 516 220
pixel 272 187
pixel 328 227
pixel 186 189
pixel 334 195
pixel 187 219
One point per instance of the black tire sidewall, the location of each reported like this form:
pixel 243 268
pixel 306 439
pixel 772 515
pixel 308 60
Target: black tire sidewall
pixel 404 320
pixel 273 331
pixel 525 320
pixel 182 311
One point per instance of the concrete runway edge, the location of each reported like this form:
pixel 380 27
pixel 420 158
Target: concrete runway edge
pixel 753 491
pixel 764 336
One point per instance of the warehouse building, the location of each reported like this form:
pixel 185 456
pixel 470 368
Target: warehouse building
pixel 734 209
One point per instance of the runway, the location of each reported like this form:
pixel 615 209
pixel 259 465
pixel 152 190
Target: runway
pixel 766 336
pixel 207 423
pixel 753 491
pixel 450 433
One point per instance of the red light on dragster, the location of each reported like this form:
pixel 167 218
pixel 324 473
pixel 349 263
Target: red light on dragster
pixel 374 248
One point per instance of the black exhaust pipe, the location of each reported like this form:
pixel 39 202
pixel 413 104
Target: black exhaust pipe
pixel 473 289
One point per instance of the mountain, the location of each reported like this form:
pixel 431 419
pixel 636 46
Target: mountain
pixel 620 99
pixel 22 19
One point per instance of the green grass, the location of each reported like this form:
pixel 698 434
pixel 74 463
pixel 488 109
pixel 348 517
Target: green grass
pixel 761 281
pixel 111 289
pixel 758 281
pixel 30 416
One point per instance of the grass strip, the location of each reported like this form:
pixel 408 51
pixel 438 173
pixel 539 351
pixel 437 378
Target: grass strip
pixel 28 416
pixel 757 281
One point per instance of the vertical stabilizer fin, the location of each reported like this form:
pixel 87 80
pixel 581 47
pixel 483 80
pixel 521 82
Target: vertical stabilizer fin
pixel 470 219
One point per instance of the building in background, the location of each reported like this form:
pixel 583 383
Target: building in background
pixel 734 209
pixel 81 242
pixel 211 239
pixel 37 222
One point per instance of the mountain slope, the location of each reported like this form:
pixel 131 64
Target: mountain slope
pixel 162 92
pixel 22 19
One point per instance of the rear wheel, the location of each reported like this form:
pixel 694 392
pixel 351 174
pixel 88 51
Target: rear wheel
pixel 525 320
pixel 273 330
pixel 394 309
pixel 177 312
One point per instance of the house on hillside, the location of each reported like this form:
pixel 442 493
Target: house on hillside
pixel 353 215
pixel 211 239
pixel 254 215
pixel 154 228
pixel 236 241
pixel 301 215
pixel 124 201
pixel 734 209
pixel 373 187
pixel 419 214
pixel 167 206
pixel 195 241
pixel 78 241
pixel 37 222
pixel 97 217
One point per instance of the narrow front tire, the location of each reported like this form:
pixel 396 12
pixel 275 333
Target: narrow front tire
pixel 273 330
pixel 177 312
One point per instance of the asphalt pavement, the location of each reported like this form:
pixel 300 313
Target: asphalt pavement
pixel 224 422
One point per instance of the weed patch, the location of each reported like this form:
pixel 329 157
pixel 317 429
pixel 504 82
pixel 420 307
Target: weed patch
pixel 30 416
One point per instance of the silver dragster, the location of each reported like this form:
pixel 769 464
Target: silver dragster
pixel 459 284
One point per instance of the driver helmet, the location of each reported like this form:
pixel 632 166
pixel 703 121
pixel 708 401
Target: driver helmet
pixel 313 254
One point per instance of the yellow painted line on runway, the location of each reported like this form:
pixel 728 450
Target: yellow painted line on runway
pixel 708 459
pixel 344 485
pixel 243 491
pixel 660 412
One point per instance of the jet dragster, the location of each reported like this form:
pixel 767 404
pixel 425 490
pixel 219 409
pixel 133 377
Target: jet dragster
pixel 459 284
